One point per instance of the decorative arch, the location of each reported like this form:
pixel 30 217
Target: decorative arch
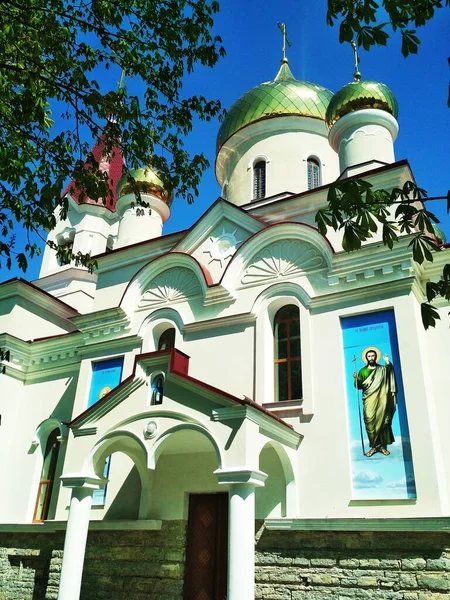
pixel 256 159
pixel 114 441
pixel 127 443
pixel 288 474
pixel 156 323
pixel 43 430
pixel 157 446
pixel 280 252
pixel 278 291
pixel 171 278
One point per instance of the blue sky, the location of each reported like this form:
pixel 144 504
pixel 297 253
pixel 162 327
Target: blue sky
pixel 253 44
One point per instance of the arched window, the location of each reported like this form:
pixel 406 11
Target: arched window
pixel 47 477
pixel 259 180
pixel 167 339
pixel 314 179
pixel 287 359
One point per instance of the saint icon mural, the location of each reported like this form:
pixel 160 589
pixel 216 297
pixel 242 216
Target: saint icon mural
pixel 380 447
pixel 379 400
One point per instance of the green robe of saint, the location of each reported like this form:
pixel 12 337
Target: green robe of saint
pixel 379 402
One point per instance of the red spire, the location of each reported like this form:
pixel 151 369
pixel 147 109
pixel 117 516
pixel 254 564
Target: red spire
pixel 111 164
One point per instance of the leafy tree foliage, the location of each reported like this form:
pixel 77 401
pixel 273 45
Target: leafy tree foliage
pixel 53 53
pixel 359 20
pixel 353 206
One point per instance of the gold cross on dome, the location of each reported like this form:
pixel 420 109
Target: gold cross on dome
pixel 282 28
pixel 356 74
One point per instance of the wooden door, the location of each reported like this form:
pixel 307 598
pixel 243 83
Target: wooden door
pixel 207 547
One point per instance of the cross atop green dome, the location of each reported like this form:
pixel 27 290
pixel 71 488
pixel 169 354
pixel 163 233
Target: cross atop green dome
pixel 284 96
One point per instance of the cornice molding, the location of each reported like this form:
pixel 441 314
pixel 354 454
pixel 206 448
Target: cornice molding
pixel 136 253
pixel 267 426
pixel 357 524
pixel 239 319
pixel 237 475
pixel 57 279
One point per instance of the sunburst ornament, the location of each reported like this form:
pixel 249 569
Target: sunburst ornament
pixel 222 247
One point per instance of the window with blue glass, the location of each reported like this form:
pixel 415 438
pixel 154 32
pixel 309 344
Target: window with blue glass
pixel 106 375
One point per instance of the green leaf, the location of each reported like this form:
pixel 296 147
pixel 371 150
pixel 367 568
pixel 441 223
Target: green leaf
pixel 429 315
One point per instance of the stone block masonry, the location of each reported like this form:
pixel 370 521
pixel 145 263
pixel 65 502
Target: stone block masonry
pixel 338 565
pixel 119 565
pixel 290 565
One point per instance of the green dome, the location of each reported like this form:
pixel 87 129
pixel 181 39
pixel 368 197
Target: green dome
pixel 440 235
pixel 358 95
pixel 146 181
pixel 285 96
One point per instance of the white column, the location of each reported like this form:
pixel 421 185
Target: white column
pixel 75 544
pixel 241 529
pixel 83 487
pixel 241 542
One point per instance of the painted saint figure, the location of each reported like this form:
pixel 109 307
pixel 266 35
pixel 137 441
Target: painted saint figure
pixel 379 396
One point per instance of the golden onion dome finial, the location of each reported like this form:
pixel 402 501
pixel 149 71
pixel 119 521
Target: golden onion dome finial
pixel 356 74
pixel 146 181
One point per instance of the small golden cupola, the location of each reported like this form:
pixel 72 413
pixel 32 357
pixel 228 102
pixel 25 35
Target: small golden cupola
pixel 141 220
pixel 362 122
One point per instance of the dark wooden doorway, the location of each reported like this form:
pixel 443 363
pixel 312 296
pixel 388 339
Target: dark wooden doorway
pixel 207 548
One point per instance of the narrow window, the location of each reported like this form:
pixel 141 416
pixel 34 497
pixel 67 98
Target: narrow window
pixel 99 496
pixel 288 373
pixel 47 477
pixel 259 180
pixel 167 339
pixel 313 174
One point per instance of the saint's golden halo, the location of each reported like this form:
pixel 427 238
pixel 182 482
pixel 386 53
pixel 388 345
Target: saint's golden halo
pixel 105 390
pixel 366 350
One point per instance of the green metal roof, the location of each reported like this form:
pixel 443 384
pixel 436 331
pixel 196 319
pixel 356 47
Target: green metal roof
pixel 358 95
pixel 281 97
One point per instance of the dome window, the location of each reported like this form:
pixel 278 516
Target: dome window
pixel 314 179
pixel 259 180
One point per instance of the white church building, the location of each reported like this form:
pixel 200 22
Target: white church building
pixel 239 410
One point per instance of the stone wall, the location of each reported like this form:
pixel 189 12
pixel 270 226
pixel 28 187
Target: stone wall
pixel 119 565
pixel 335 565
pixel 290 565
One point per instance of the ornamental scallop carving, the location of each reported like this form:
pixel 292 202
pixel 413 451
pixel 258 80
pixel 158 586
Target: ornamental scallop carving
pixel 282 260
pixel 170 287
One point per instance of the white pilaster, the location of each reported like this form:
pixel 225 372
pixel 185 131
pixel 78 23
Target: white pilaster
pixel 76 535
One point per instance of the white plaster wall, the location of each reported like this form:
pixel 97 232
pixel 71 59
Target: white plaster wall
pixel 223 358
pixel 18 320
pixel 271 499
pixel 112 284
pixel 176 477
pixel 285 143
pixel 23 408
